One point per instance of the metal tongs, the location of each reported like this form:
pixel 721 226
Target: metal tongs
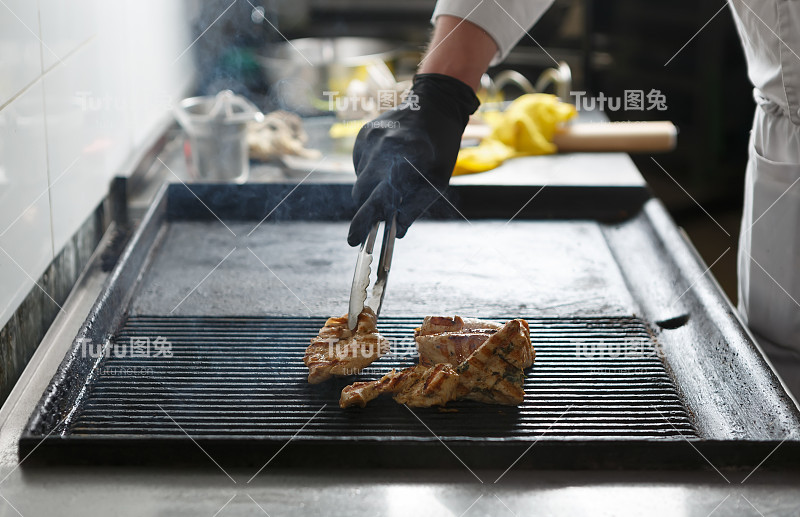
pixel 358 293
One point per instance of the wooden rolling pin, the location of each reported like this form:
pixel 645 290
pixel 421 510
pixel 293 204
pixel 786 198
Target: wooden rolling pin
pixel 626 137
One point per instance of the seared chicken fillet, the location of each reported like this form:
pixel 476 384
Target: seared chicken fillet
pixel 451 340
pixel 338 351
pixel 440 324
pixel 418 386
pixel 493 374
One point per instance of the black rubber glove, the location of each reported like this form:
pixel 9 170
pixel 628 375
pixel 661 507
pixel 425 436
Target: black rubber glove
pixel 404 158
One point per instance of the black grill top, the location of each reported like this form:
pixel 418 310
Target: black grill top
pixel 245 377
pixel 232 296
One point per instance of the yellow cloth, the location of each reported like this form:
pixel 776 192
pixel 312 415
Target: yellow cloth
pixel 346 129
pixel 525 128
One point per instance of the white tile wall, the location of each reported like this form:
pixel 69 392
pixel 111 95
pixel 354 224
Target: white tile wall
pixel 65 26
pixel 151 101
pixel 20 62
pixel 80 139
pixel 82 84
pixel 24 203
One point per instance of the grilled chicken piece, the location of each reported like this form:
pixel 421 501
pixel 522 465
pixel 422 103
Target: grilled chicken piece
pixel 451 340
pixel 492 374
pixel 417 386
pixel 439 324
pixel 338 351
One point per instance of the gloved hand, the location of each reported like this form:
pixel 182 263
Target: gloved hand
pixel 404 158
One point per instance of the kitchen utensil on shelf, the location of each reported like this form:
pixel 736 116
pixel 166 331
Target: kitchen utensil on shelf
pixel 309 74
pixel 217 131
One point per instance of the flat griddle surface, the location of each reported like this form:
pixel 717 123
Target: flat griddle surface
pixel 637 350
pixel 292 268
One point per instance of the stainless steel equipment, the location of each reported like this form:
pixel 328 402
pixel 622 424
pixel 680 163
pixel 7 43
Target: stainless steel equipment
pixel 217 130
pixel 302 70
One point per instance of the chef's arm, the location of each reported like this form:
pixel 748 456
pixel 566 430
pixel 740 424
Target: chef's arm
pixel 459 49
pixel 504 21
pixel 404 159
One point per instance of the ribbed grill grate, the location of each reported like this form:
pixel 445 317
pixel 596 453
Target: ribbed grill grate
pixel 593 378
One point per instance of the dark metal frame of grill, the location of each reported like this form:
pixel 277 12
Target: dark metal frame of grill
pixel 736 425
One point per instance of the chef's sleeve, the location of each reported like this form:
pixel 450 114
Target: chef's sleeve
pixel 506 21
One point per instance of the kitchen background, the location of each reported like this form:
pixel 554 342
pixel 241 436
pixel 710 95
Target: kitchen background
pixel 85 86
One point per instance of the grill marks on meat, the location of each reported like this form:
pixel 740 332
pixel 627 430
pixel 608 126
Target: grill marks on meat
pixel 492 374
pixel 338 351
pixel 460 358
pixel 451 340
pixel 418 386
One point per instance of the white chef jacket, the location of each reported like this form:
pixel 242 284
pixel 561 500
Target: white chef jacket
pixel 506 21
pixel 769 243
pixel 769 247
